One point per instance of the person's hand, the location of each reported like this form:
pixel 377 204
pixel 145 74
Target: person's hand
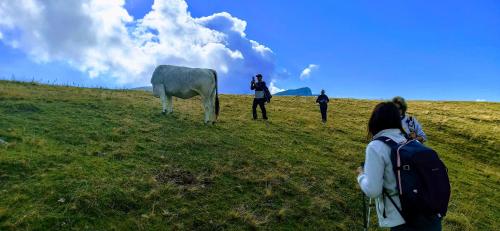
pixel 420 139
pixel 360 170
pixel 413 135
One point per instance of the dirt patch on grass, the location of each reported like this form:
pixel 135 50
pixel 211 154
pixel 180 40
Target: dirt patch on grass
pixel 181 177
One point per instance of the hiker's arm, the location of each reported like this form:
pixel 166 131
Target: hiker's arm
pixel 252 85
pixel 372 180
pixel 420 132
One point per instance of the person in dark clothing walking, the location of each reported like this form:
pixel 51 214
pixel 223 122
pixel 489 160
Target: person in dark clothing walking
pixel 323 104
pixel 262 96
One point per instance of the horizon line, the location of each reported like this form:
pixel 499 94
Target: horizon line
pixel 73 84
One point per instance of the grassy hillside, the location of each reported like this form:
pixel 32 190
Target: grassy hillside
pixel 91 159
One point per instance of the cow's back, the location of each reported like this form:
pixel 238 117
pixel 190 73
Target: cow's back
pixel 182 81
pixel 164 72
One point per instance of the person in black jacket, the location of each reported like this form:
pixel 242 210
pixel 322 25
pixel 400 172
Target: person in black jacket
pixel 262 96
pixel 323 104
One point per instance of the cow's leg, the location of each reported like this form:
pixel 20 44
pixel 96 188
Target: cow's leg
pixel 206 108
pixel 211 105
pixel 211 110
pixel 161 92
pixel 170 105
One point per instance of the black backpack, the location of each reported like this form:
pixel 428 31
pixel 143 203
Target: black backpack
pixel 421 179
pixel 267 94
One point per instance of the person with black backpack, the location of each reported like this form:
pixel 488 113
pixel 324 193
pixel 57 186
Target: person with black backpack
pixel 409 123
pixel 262 95
pixel 408 180
pixel 323 101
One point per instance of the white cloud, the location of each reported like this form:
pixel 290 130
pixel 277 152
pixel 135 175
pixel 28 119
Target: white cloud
pixel 100 38
pixel 306 73
pixel 273 88
pixel 480 100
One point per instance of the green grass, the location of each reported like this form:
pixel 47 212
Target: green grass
pixel 94 159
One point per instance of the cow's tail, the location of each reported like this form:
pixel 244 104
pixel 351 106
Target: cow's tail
pixel 217 106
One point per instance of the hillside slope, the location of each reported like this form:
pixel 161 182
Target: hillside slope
pixel 92 159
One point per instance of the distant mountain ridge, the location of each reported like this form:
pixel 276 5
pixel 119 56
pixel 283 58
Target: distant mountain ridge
pixel 148 88
pixel 304 91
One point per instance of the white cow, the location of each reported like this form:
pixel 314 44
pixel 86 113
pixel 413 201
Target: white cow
pixel 185 82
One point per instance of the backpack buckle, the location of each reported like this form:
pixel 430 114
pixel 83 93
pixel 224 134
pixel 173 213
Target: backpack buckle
pixel 406 167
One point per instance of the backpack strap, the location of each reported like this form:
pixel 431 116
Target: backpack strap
pixel 391 143
pixel 411 124
pixel 394 146
pixel 384 192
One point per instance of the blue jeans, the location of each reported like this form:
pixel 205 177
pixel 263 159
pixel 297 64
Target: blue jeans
pixel 421 224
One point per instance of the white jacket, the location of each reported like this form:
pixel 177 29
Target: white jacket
pixel 412 125
pixel 378 175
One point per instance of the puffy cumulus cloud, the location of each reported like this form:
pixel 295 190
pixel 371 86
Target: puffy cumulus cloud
pixel 84 33
pixel 306 73
pixel 252 58
pixel 101 38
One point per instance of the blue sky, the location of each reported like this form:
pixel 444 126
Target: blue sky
pixel 439 50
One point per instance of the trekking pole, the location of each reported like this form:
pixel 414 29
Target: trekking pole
pixel 368 216
pixel 365 217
